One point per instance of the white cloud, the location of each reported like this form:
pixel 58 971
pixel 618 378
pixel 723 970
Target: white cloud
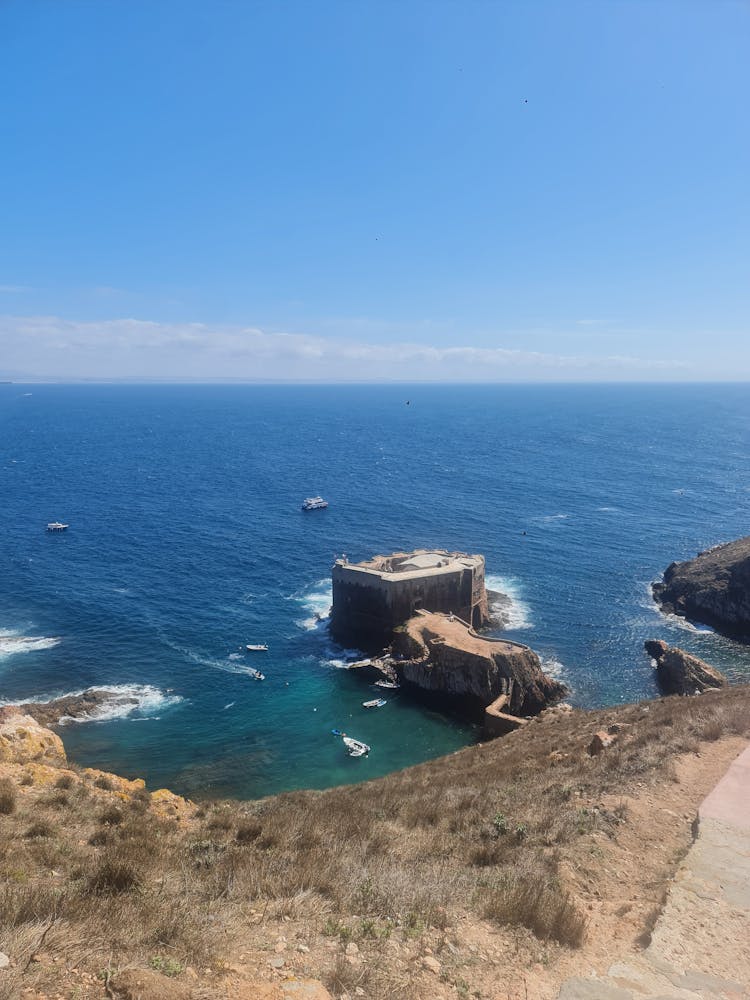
pixel 52 346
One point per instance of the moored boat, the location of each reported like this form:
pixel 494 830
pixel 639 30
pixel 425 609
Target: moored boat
pixel 375 703
pixel 391 685
pixel 355 748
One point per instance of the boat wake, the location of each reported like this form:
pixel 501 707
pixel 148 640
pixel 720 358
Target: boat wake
pixel 513 610
pixel 12 643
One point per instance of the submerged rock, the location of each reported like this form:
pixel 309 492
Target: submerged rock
pixel 439 654
pixel 713 588
pixel 680 673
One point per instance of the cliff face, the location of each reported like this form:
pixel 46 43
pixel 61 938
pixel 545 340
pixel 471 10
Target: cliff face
pixel 713 588
pixel 441 655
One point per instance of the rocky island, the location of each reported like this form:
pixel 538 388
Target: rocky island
pixel 428 605
pixel 713 588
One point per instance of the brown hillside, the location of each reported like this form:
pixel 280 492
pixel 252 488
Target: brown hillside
pixel 489 873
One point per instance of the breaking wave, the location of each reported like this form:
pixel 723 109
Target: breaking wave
pixel 316 601
pixel 514 611
pixel 137 701
pixel 12 643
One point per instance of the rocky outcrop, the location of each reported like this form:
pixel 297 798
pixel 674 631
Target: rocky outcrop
pixel 22 739
pixel 677 672
pixel 713 588
pixel 85 705
pixel 439 654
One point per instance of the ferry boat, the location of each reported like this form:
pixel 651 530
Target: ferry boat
pixel 314 503
pixel 57 526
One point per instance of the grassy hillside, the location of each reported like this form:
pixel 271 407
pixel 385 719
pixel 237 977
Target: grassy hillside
pixel 512 845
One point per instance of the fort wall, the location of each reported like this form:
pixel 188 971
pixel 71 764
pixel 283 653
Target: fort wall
pixel 370 599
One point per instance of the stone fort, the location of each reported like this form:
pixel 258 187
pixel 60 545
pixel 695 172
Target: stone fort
pixel 372 597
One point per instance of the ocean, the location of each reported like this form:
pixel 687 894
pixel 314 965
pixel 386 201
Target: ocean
pixel 187 541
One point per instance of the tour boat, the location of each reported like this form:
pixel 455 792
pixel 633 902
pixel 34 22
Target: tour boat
pixel 375 703
pixel 257 647
pixel 314 503
pixel 355 748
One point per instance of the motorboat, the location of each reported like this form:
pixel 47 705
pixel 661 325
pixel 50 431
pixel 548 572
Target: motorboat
pixel 314 503
pixel 391 685
pixel 256 674
pixel 375 703
pixel 355 748
pixel 257 647
pixel 57 526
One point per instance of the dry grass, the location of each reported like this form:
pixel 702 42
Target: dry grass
pixel 485 830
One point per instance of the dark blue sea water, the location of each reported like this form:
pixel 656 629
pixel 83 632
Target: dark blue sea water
pixel 187 541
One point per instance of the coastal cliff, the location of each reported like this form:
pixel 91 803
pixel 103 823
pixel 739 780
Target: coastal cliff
pixel 678 672
pixel 713 588
pixel 440 654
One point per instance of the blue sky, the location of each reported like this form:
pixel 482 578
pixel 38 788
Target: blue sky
pixel 549 189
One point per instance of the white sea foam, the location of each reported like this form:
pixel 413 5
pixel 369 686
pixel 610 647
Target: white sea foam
pixel 516 614
pixel 139 701
pixel 697 628
pixel 548 518
pixel 316 601
pixel 11 643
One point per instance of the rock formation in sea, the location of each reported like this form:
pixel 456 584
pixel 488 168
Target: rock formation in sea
pixel 677 672
pixel 440 654
pixel 85 705
pixel 713 588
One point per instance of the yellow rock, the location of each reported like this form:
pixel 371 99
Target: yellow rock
pixel 22 740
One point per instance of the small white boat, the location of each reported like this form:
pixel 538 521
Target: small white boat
pixel 256 674
pixel 375 703
pixel 57 526
pixel 355 748
pixel 391 685
pixel 257 647
pixel 314 503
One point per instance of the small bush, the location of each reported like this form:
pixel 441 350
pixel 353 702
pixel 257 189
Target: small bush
pixel 100 838
pixel 166 966
pixel 105 783
pixel 111 816
pixel 65 781
pixel 7 797
pixel 112 877
pixel 26 779
pixel 41 828
pixel 536 902
pixel 248 831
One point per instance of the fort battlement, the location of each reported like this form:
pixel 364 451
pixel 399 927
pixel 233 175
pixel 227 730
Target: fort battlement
pixel 373 597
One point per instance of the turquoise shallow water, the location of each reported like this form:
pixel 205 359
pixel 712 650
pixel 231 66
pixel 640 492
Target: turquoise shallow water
pixel 187 541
